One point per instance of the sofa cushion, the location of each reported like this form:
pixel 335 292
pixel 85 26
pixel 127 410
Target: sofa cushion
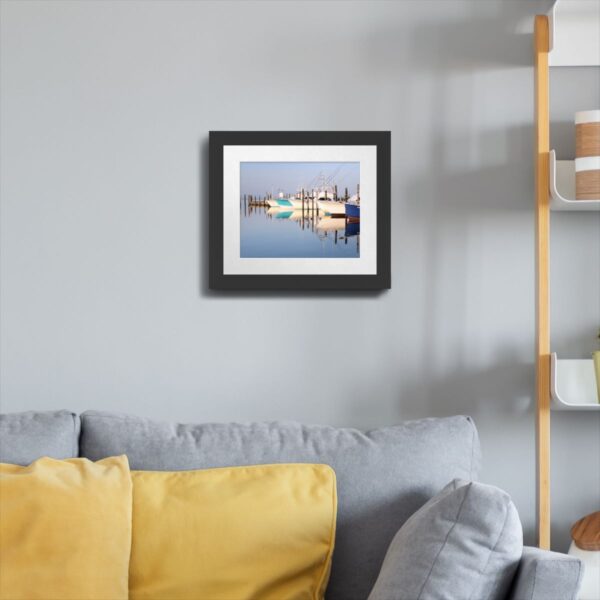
pixel 465 543
pixel 65 530
pixel 383 476
pixel 263 532
pixel 27 436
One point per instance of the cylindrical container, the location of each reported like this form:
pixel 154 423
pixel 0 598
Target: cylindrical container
pixel 587 155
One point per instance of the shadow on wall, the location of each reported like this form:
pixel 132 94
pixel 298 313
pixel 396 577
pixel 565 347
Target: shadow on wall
pixel 469 392
pixel 450 198
pixel 449 207
pixel 493 35
pixel 481 393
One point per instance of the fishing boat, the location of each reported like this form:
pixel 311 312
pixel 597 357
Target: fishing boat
pixel 330 207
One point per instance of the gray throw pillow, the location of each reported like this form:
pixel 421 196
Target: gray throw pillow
pixel 464 544
pixel 27 436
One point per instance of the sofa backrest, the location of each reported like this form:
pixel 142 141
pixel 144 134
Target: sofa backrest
pixel 27 436
pixel 383 476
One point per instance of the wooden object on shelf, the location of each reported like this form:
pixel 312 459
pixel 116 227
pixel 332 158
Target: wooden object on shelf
pixel 587 182
pixel 586 532
pixel 587 139
pixel 542 200
pixel 587 154
pixel 587 133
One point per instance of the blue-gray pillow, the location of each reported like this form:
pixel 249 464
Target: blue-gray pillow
pixel 27 436
pixel 464 544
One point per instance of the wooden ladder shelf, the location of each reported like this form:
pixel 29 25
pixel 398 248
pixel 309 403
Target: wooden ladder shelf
pixel 567 36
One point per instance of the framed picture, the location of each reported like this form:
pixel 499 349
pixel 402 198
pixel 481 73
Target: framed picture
pixel 299 210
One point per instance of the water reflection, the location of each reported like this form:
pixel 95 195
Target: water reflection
pixel 281 233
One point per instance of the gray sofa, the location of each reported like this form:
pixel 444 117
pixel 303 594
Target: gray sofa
pixel 383 476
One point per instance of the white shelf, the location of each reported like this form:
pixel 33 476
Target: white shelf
pixel 574 33
pixel 573 384
pixel 562 187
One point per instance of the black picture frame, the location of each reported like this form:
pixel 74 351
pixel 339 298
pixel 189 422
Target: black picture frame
pixel 377 281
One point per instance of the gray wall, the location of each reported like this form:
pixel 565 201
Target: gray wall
pixel 105 113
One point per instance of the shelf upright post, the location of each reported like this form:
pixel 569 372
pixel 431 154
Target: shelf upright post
pixel 542 212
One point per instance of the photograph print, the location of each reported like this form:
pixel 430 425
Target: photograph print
pixel 299 210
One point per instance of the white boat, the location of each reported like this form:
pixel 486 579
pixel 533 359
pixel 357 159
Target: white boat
pixel 329 207
pixel 297 202
pixel 325 194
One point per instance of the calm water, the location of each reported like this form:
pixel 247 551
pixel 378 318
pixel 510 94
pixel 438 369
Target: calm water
pixel 278 233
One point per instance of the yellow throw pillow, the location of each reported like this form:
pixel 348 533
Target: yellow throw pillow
pixel 65 529
pixel 240 533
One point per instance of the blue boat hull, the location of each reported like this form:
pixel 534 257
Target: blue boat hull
pixel 353 210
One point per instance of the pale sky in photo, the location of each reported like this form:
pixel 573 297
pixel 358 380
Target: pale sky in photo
pixel 260 178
